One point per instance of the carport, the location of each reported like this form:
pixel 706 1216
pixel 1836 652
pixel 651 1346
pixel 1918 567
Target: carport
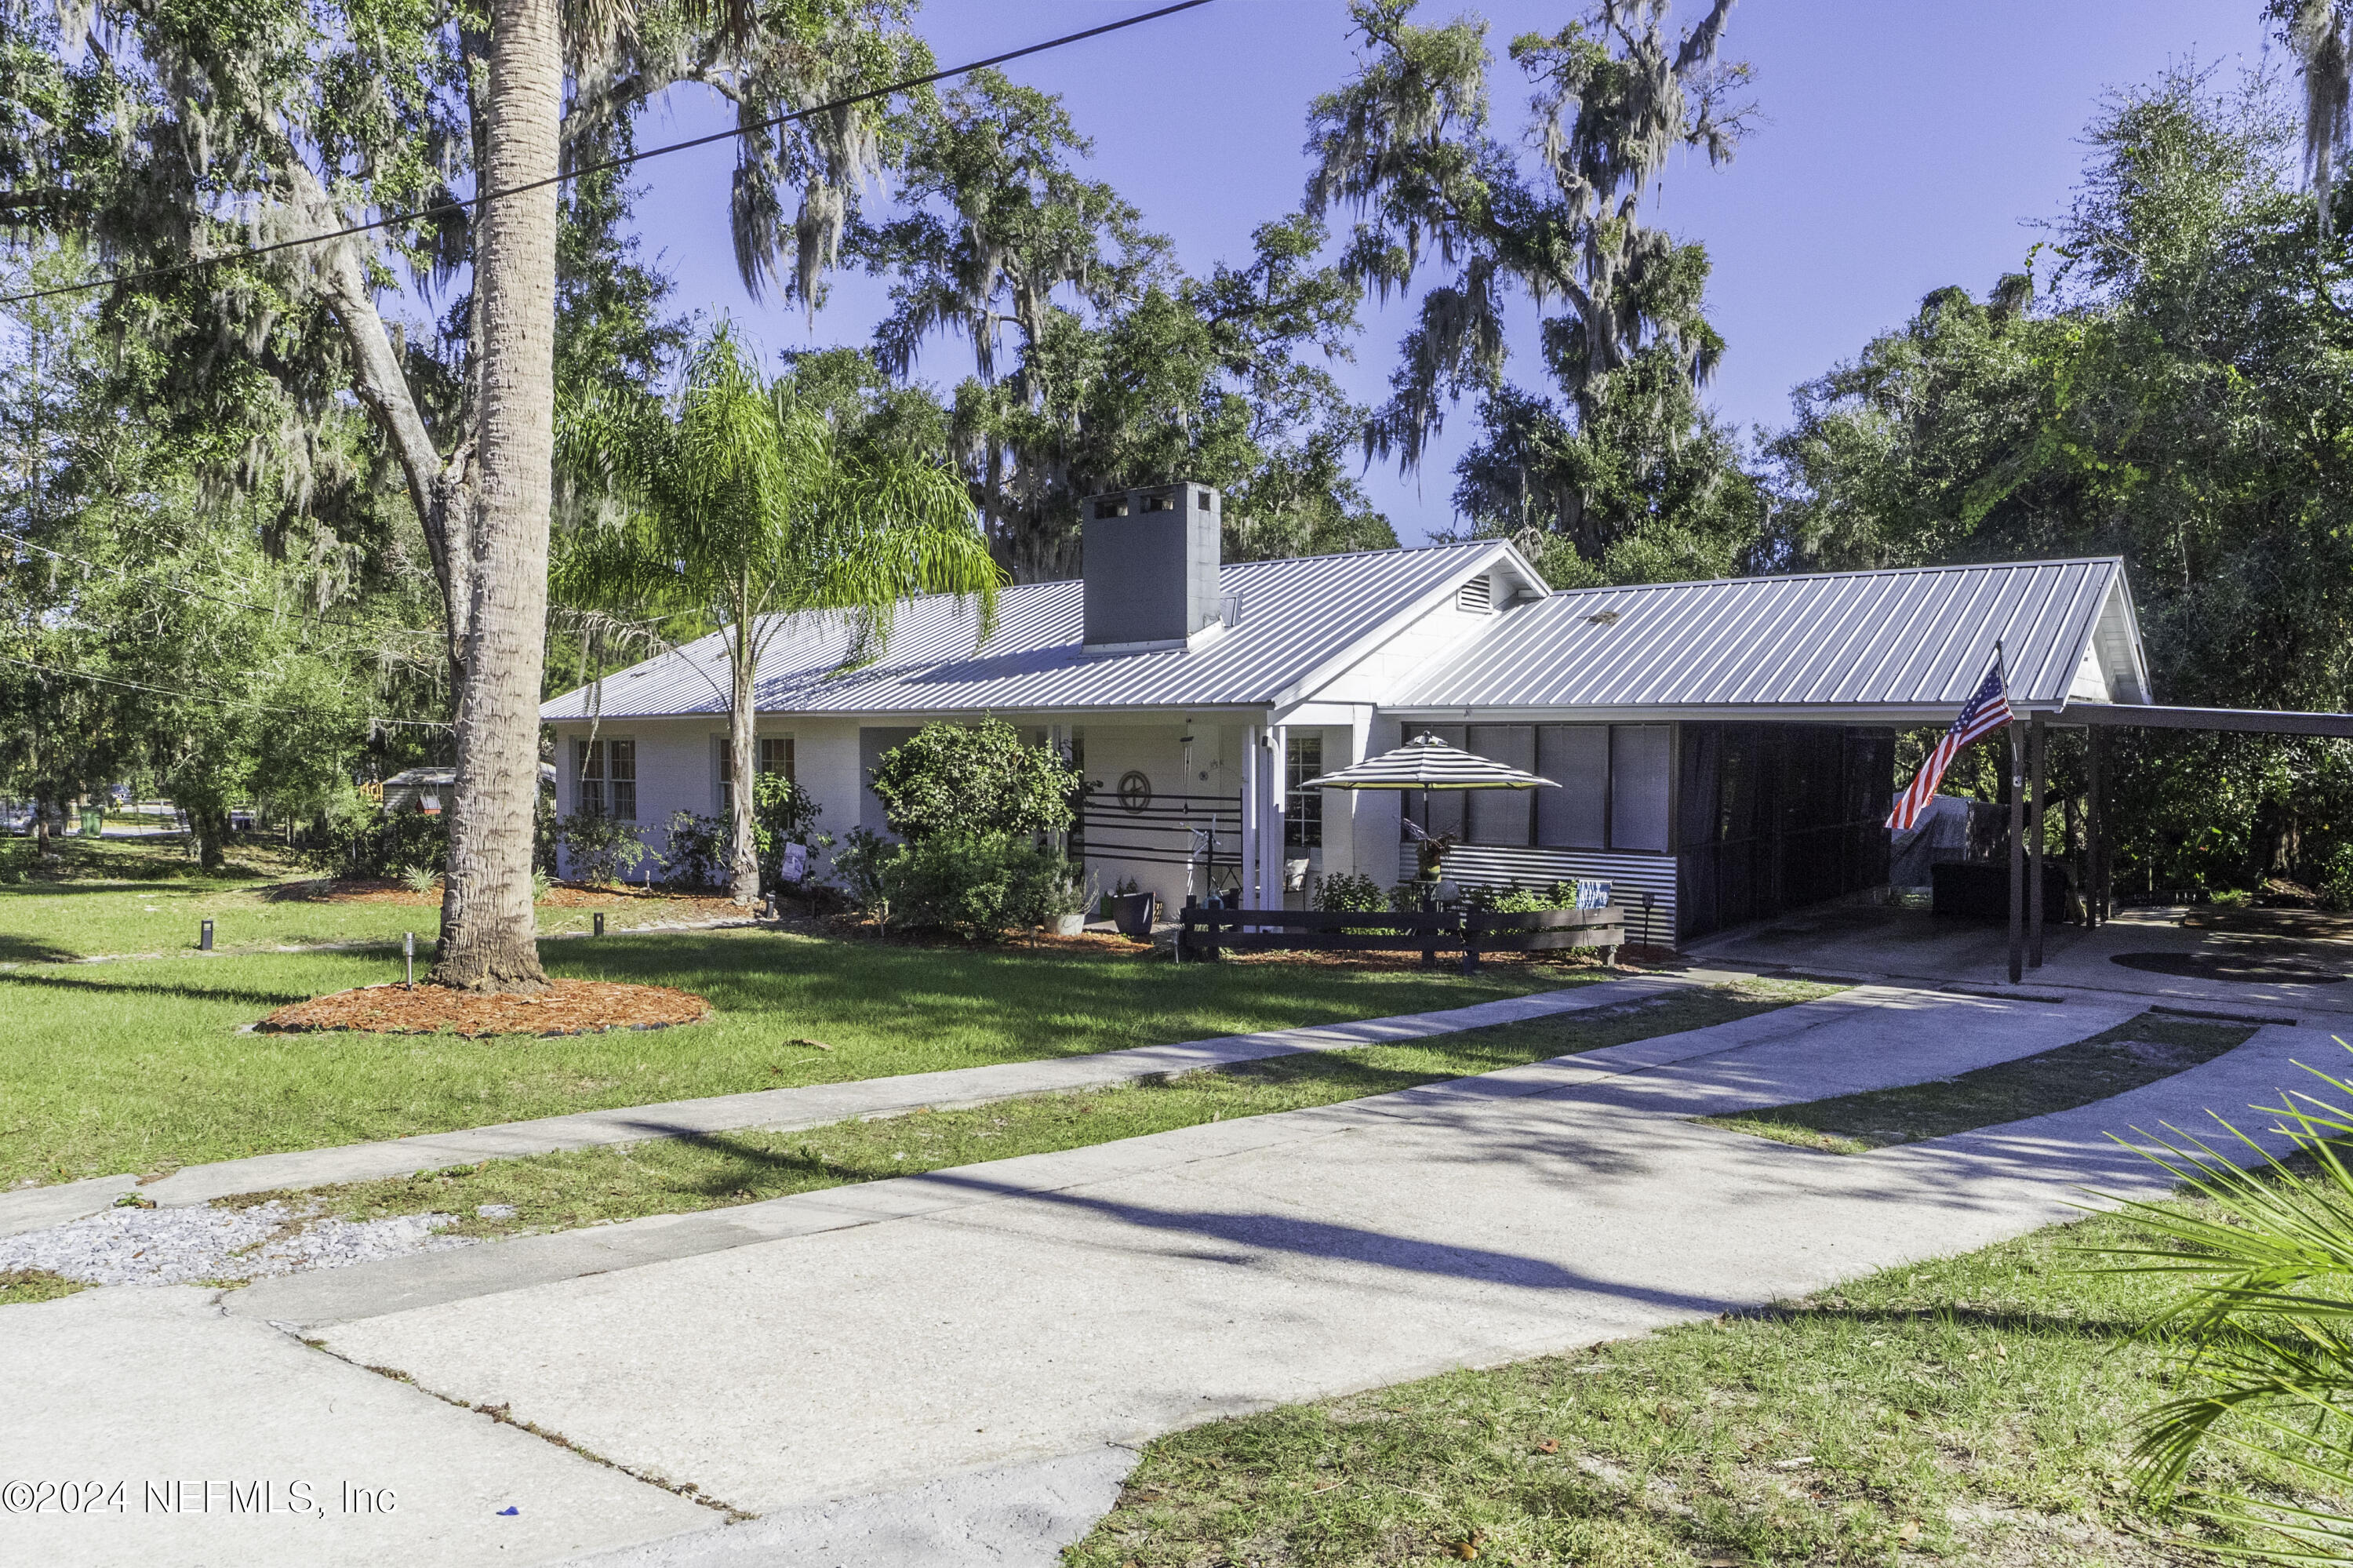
pixel 2029 756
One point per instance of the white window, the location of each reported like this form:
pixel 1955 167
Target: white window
pixel 1302 810
pixel 604 775
pixel 776 754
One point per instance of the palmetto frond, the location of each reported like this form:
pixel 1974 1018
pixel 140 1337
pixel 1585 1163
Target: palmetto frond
pixel 2267 1324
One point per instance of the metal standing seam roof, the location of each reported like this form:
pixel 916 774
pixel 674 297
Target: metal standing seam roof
pixel 1297 617
pixel 1917 637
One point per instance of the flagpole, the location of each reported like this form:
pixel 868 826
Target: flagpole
pixel 2017 831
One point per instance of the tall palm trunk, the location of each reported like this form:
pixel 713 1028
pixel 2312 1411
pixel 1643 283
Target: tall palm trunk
pixel 743 759
pixel 488 936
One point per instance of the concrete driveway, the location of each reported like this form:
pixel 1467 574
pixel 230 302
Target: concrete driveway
pixel 956 1367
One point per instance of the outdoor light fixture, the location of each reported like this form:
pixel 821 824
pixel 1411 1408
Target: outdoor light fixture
pixel 204 937
pixel 408 955
pixel 596 924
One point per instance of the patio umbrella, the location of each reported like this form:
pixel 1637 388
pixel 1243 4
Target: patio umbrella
pixel 1427 763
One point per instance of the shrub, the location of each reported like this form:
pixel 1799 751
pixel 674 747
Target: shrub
pixel 697 852
pixel 421 879
pixel 2336 880
pixel 15 860
pixel 1347 891
pixel 974 778
pixel 978 884
pixel 603 850
pixel 782 813
pixel 362 841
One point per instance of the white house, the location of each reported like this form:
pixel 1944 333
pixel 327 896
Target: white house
pixel 1724 748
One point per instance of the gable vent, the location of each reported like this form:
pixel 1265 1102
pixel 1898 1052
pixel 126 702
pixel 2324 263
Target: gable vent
pixel 1476 597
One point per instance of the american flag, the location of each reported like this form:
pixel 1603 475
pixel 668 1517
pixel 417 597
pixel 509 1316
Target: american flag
pixel 1982 714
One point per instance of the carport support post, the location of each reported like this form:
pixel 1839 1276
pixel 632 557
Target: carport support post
pixel 2038 747
pixel 2017 853
pixel 2095 870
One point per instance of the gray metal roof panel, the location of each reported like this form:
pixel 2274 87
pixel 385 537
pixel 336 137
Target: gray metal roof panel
pixel 1296 615
pixel 1917 636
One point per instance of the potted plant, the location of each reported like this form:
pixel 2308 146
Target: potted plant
pixel 1133 912
pixel 1068 899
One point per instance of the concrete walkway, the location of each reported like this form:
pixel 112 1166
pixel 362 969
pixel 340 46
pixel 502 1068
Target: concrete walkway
pixel 815 1105
pixel 953 1368
pixel 1912 947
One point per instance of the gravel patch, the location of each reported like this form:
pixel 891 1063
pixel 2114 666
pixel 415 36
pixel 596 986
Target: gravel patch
pixel 196 1244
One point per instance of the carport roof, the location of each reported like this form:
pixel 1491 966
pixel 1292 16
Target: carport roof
pixel 1894 644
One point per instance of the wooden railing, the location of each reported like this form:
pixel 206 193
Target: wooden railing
pixel 1469 933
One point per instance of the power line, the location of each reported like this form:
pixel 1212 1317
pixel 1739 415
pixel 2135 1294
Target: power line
pixel 207 696
pixel 599 167
pixel 322 619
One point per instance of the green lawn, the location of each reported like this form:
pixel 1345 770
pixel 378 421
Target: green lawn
pixel 2137 1052
pixel 557 1191
pixel 146 897
pixel 1974 1410
pixel 139 1067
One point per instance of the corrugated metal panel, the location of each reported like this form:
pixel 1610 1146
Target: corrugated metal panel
pixel 1919 637
pixel 1629 875
pixel 1295 615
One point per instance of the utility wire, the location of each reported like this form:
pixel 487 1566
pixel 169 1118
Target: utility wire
pixel 599 167
pixel 209 696
pixel 151 580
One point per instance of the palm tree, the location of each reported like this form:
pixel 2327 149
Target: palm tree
pixel 736 501
pixel 488 930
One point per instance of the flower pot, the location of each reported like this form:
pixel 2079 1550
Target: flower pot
pixel 1068 925
pixel 1132 912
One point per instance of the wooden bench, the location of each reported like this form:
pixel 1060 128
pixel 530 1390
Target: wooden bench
pixel 1206 932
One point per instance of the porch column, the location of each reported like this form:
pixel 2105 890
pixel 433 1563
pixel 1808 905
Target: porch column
pixel 1249 887
pixel 2017 851
pixel 1276 858
pixel 2038 748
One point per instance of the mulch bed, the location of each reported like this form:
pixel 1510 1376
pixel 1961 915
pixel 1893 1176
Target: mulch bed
pixel 565 1007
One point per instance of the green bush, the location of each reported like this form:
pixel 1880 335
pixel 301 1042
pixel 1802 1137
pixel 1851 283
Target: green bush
pixel 603 850
pixel 15 860
pixel 697 854
pixel 1521 900
pixel 974 778
pixel 363 840
pixel 1346 892
pixel 782 813
pixel 2336 880
pixel 978 884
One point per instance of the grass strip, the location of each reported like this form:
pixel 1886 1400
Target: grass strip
pixel 107 1067
pixel 20 1286
pixel 1976 1409
pixel 581 1187
pixel 2138 1052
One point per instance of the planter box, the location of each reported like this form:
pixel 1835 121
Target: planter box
pixel 1132 912
pixel 1068 925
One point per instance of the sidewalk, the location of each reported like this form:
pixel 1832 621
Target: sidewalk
pixel 971 1353
pixel 816 1105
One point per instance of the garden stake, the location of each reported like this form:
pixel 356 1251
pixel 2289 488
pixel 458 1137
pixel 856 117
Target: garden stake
pixel 204 937
pixel 408 955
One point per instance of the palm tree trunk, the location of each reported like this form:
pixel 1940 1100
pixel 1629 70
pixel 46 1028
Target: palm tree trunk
pixel 743 881
pixel 489 941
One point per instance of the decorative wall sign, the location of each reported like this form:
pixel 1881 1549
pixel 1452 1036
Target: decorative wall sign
pixel 1135 791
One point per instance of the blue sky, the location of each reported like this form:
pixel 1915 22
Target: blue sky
pixel 1901 146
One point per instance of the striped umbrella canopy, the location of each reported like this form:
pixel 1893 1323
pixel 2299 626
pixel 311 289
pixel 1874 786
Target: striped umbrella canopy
pixel 1426 762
